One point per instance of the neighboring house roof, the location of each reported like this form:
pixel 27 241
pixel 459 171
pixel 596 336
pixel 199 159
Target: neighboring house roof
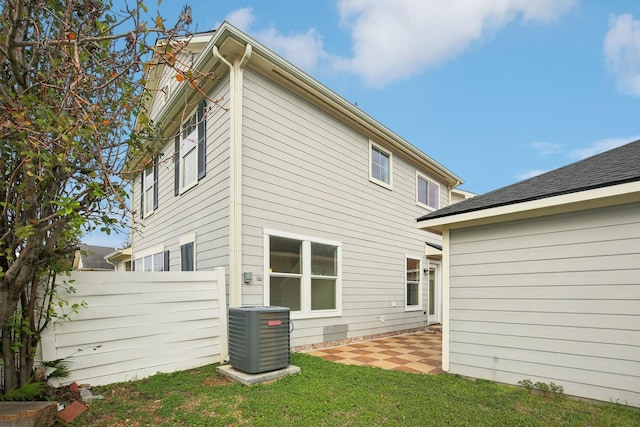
pixel 611 168
pixel 231 44
pixel 90 257
pixel 119 255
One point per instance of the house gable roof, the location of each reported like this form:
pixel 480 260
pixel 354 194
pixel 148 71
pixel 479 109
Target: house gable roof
pixel 617 166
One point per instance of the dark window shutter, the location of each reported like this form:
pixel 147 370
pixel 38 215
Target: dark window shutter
pixel 176 165
pixel 202 141
pixel 166 261
pixel 156 169
pixel 142 195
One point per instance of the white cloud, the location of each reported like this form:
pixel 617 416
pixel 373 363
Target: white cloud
pixel 622 52
pixel 600 146
pixel 531 174
pixel 303 49
pixel 393 39
pixel 547 148
pixel 241 18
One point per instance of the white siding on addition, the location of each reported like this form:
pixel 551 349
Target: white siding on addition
pixel 551 299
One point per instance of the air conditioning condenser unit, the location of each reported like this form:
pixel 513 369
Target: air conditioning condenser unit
pixel 259 338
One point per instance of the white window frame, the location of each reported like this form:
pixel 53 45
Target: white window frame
pixel 389 154
pixel 149 255
pixel 191 143
pixel 421 176
pixel 305 292
pixel 417 307
pixel 148 183
pixel 185 240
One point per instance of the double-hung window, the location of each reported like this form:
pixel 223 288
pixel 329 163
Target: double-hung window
pixel 190 151
pixel 154 259
pixel 427 192
pixel 380 165
pixel 303 274
pixel 149 189
pixel 413 283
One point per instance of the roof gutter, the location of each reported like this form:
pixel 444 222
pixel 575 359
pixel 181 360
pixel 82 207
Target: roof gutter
pixel 594 198
pixel 236 73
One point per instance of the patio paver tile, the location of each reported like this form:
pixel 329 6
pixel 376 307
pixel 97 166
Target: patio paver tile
pixel 417 353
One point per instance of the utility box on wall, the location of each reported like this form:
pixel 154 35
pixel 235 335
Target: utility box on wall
pixel 259 338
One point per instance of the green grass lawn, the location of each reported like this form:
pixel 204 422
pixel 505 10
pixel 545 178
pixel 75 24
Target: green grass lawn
pixel 331 394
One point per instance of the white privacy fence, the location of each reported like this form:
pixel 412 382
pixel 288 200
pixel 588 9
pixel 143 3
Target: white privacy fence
pixel 137 324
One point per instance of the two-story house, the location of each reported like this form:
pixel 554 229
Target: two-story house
pixel 307 201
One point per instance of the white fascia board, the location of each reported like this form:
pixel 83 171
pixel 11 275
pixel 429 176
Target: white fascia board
pixel 598 197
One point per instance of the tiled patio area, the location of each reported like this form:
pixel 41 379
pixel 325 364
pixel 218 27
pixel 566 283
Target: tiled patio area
pixel 419 353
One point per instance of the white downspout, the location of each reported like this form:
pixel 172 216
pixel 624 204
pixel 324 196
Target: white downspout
pixel 235 164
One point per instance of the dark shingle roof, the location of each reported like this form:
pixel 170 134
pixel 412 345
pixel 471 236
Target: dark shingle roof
pixel 613 167
pixel 93 257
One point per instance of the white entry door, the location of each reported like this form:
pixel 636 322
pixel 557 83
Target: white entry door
pixel 435 293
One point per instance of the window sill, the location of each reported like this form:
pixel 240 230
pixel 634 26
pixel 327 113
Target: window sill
pixel 427 207
pixel 188 187
pixel 381 183
pixel 413 308
pixel 298 315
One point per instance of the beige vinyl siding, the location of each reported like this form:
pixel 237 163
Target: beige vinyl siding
pixel 203 209
pixel 552 299
pixel 166 80
pixel 306 172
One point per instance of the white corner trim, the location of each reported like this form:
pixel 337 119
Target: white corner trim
pixel 446 319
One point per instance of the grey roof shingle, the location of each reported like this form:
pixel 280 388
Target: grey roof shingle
pixel 93 257
pixel 613 167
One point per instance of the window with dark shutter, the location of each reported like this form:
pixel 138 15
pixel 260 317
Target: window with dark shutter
pixel 190 151
pixel 176 164
pixel 166 261
pixel 202 141
pixel 149 189
pixel 155 182
pixel 142 195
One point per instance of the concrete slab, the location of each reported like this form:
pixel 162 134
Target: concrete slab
pixel 31 414
pixel 249 379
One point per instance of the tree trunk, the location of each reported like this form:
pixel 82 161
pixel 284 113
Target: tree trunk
pixel 26 359
pixel 8 358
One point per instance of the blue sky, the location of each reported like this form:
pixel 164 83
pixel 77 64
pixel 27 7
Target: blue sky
pixel 494 90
